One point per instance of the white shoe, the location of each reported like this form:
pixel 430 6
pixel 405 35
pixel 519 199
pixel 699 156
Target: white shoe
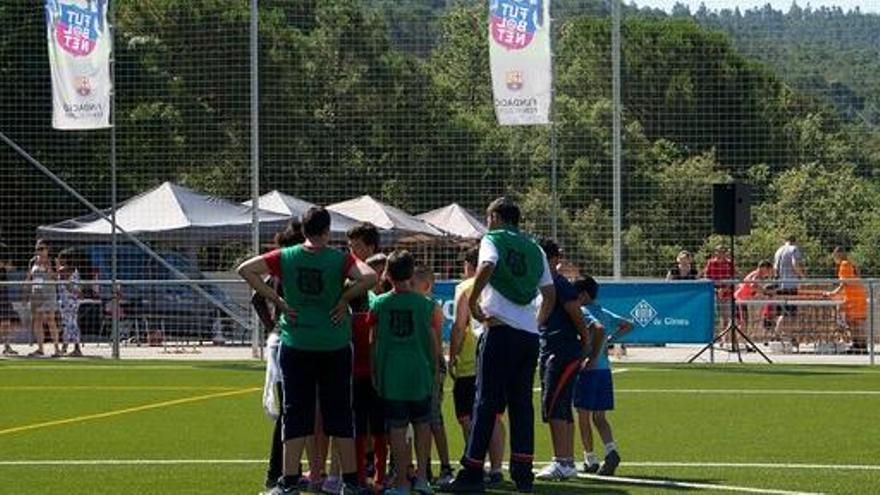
pixel 556 471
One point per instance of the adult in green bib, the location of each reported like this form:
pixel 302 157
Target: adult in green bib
pixel 316 355
pixel 512 272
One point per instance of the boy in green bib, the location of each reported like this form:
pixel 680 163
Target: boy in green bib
pixel 405 355
pixel 315 355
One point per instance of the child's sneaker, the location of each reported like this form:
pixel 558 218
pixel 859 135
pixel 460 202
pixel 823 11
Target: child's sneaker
pixel 332 485
pixel 423 487
pixel 612 460
pixel 494 477
pixel 446 476
pixel 466 481
pixel 556 471
pixel 285 486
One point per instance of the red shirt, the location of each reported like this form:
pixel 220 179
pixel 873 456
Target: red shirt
pixel 273 261
pixel 720 269
pixel 361 328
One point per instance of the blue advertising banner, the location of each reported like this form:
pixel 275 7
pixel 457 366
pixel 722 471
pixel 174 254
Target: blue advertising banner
pixel 444 294
pixel 661 312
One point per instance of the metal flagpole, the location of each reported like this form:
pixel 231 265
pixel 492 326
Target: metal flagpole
pixel 617 157
pixel 256 341
pixel 114 258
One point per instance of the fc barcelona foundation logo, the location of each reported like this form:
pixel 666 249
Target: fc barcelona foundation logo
pixel 401 322
pixel 514 80
pixel 310 281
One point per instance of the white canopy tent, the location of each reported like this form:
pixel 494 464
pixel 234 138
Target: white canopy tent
pixel 170 212
pixel 455 220
pixel 293 207
pixel 407 227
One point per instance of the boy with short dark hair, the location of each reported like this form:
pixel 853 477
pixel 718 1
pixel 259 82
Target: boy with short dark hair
pixel 564 341
pixel 315 355
pixel 594 389
pixel 406 351
pixel 363 243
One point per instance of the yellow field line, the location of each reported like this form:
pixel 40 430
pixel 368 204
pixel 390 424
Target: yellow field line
pixel 128 410
pixel 62 388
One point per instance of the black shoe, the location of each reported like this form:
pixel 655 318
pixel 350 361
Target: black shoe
pixel 466 481
pixel 522 476
pixel 370 466
pixel 493 477
pixel 612 460
pixel 285 486
pixel 590 468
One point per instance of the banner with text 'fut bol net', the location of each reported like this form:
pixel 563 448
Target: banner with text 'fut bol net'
pixel 79 57
pixel 519 54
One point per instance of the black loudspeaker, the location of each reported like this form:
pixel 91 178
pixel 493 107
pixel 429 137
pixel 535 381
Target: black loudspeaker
pixel 732 208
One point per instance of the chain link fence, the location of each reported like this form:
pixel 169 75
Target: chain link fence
pixel 392 99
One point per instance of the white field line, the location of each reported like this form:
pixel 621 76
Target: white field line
pixel 686 484
pixel 613 372
pixel 98 367
pixel 731 391
pixel 113 388
pixel 743 391
pixel 757 465
pixel 659 464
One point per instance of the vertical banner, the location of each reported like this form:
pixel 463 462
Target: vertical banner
pixel 79 57
pixel 519 55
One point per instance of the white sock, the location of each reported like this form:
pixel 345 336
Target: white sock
pixel 610 447
pixel 591 458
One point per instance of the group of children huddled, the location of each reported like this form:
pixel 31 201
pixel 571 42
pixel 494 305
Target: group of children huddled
pixel 381 383
pixel 47 299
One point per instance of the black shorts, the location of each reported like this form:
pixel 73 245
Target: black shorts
pixel 463 393
pixel 369 411
pixel 786 309
pixel 321 375
pixel 558 374
pixel 400 413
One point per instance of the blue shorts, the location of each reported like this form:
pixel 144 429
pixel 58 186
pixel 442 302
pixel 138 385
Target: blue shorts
pixel 594 390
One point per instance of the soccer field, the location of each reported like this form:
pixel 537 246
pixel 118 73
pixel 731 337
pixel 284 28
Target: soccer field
pixel 88 426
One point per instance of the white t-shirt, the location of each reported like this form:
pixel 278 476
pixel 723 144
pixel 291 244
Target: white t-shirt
pixel 271 401
pixel 494 304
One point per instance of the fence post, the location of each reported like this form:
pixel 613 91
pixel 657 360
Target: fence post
pixel 871 323
pixel 617 209
pixel 256 338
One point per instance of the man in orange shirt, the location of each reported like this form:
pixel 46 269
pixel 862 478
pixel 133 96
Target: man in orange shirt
pixel 855 298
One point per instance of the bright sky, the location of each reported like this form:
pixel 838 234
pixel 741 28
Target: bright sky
pixel 783 5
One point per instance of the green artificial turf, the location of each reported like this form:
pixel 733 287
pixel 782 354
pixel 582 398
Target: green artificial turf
pixel 673 422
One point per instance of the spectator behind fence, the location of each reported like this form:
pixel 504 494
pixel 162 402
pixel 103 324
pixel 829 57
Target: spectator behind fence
pixel 69 295
pixel 7 313
pixel 43 298
pixel 854 295
pixel 788 263
pixel 751 288
pixel 683 268
pixel 720 267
